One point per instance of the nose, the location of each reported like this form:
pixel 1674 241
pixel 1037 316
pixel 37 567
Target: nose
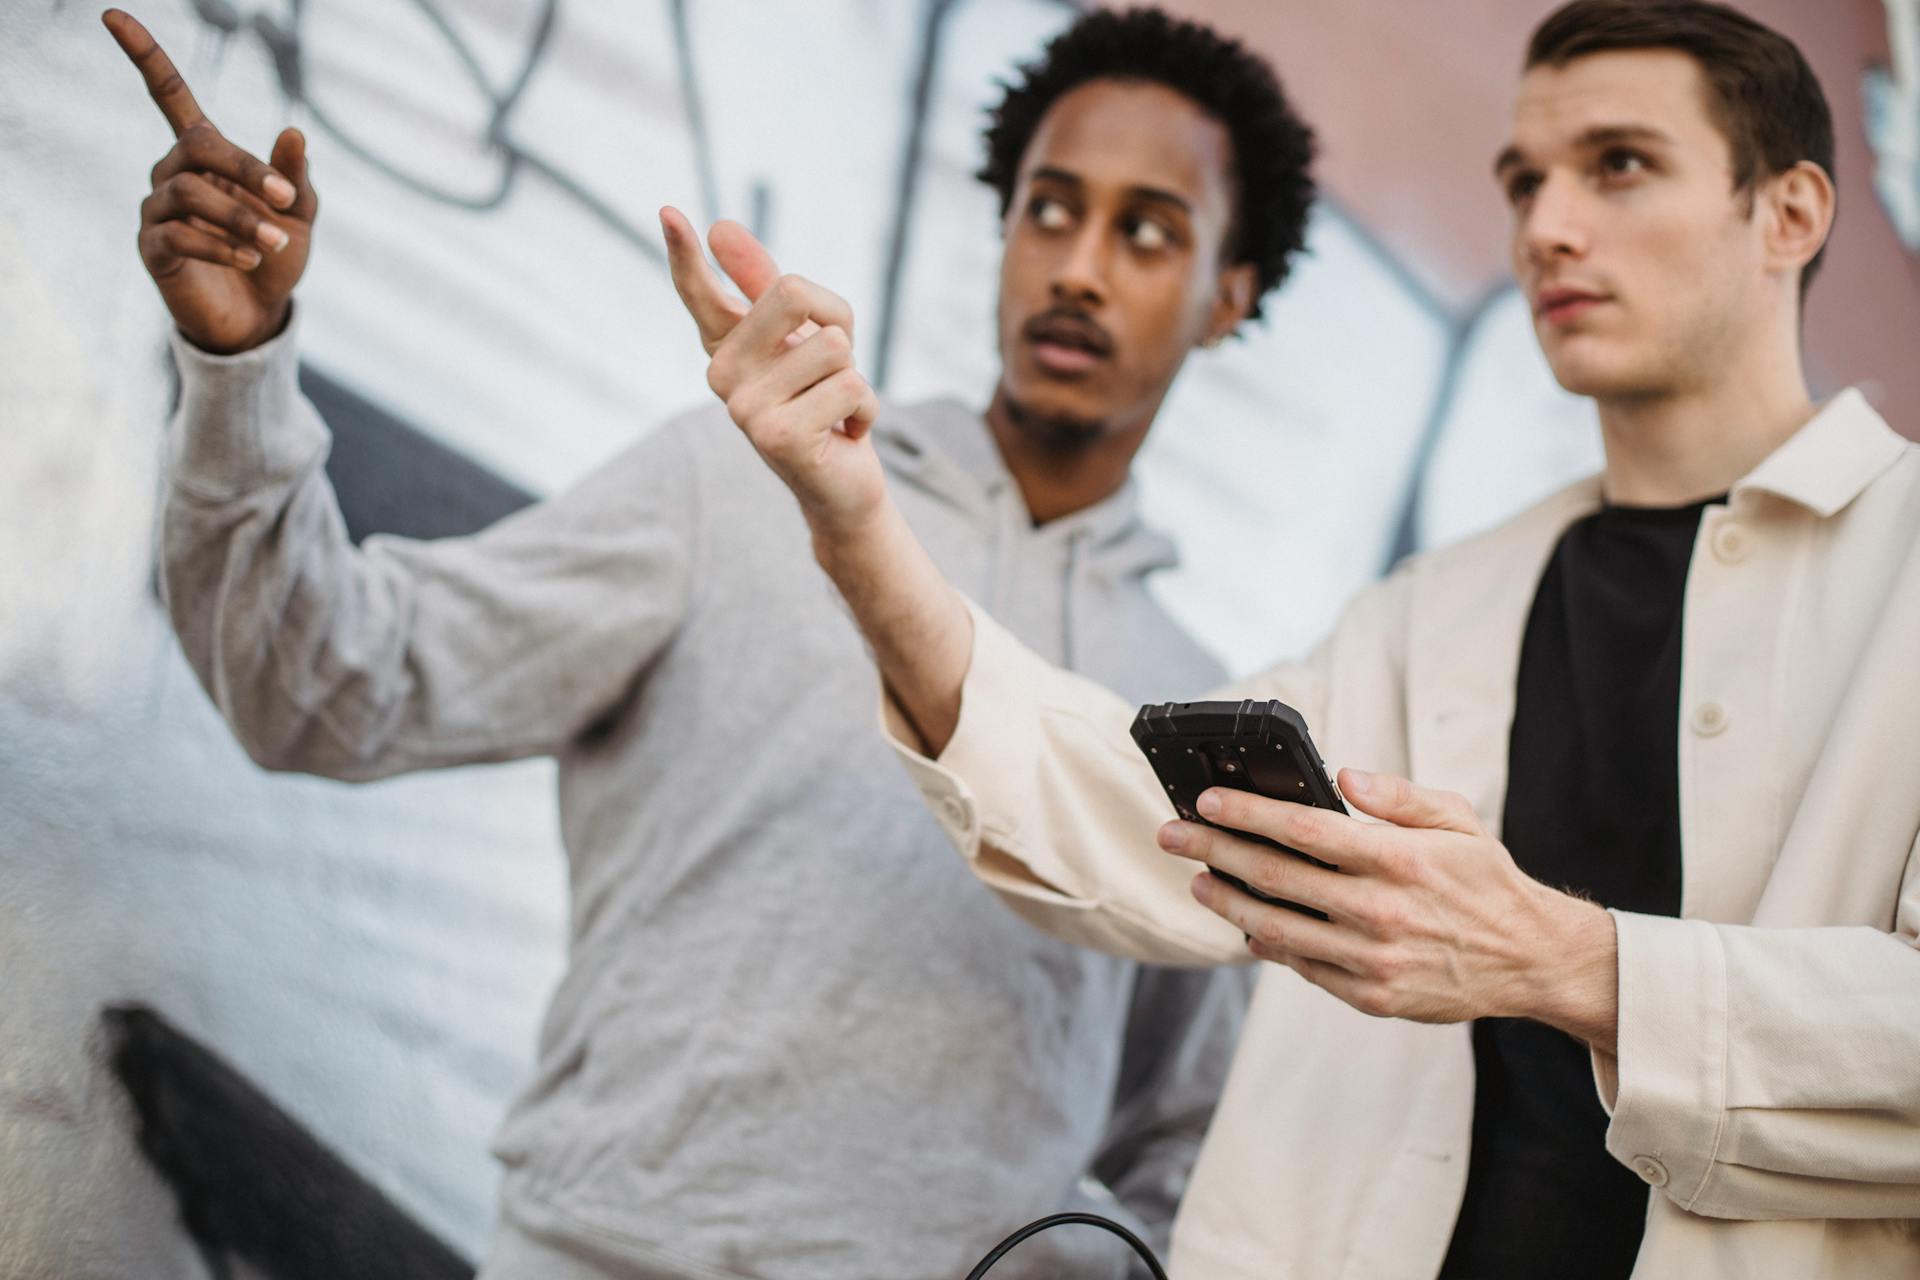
pixel 1080 276
pixel 1554 225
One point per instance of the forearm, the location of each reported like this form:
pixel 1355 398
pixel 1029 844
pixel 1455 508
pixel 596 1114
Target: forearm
pixel 916 623
pixel 361 662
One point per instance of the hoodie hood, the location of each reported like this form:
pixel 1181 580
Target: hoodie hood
pixel 943 449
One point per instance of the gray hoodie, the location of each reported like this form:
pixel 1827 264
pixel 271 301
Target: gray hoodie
pixel 795 1038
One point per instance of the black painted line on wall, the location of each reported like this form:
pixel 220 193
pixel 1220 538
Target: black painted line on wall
pixel 907 182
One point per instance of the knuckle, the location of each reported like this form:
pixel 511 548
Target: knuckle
pixel 1273 876
pixel 1308 826
pixel 1270 933
pixel 1390 919
pixel 1387 965
pixel 834 340
pixel 790 292
pixel 1394 861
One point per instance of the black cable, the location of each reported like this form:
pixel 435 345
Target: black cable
pixel 1005 1247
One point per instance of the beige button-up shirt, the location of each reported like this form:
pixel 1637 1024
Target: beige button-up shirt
pixel 1767 1086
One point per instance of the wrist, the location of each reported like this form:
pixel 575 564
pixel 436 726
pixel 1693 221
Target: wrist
pixel 1573 983
pixel 845 542
pixel 272 327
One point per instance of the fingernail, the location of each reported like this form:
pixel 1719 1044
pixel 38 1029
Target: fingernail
pixel 279 191
pixel 1358 782
pixel 271 236
pixel 1173 836
pixel 1198 888
pixel 1208 804
pixel 247 258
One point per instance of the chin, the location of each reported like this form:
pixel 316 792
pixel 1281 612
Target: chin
pixel 1601 375
pixel 1059 422
pixel 1057 398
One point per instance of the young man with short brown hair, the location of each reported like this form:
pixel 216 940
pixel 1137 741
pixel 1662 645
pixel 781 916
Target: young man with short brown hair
pixel 1624 979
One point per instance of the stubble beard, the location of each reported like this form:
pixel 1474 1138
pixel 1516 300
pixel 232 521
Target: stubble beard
pixel 1055 433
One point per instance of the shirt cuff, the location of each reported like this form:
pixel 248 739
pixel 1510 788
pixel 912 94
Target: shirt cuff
pixel 241 423
pixel 1668 1081
pixel 976 785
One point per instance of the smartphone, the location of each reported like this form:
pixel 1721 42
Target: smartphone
pixel 1262 747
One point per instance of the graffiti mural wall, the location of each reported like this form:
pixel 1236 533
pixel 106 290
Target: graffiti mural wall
pixel 488 315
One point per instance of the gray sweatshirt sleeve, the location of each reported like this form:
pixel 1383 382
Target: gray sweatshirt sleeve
pixel 1181 1033
pixel 361 662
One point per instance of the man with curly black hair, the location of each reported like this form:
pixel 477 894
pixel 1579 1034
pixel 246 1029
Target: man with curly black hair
pixel 795 1038
pixel 1154 186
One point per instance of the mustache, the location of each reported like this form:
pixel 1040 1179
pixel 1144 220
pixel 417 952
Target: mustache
pixel 1070 327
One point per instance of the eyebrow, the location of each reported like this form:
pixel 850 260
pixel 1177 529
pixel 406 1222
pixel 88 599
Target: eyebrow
pixel 1158 195
pixel 1600 135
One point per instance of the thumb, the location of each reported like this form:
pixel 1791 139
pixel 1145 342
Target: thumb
pixel 749 265
pixel 289 158
pixel 744 259
pixel 1396 800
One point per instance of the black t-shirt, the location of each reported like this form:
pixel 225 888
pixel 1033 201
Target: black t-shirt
pixel 1593 807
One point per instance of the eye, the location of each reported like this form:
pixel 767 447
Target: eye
pixel 1147 236
pixel 1521 186
pixel 1622 162
pixel 1049 214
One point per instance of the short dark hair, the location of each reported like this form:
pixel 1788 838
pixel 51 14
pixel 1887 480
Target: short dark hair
pixel 1272 147
pixel 1763 95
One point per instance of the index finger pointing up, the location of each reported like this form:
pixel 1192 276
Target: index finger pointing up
pixel 170 92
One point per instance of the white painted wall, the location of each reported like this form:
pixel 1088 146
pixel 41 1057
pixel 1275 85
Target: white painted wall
pixel 377 957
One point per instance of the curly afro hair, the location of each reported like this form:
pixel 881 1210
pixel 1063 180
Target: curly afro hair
pixel 1272 147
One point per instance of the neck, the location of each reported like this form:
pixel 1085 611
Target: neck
pixel 1057 479
pixel 1680 446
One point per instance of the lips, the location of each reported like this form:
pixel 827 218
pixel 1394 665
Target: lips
pixel 1067 342
pixel 1563 303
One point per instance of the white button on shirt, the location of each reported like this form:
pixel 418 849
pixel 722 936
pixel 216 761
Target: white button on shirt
pixel 953 813
pixel 1651 1171
pixel 1731 542
pixel 1708 719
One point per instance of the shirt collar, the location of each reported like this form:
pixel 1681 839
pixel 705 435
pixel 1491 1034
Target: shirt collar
pixel 943 445
pixel 1827 463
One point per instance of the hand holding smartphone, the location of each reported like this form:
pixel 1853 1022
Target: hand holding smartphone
pixel 1261 747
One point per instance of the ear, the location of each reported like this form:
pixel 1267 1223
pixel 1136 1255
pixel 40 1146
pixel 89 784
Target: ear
pixel 1799 208
pixel 1232 301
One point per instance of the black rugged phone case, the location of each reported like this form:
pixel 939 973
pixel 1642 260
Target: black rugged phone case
pixel 1260 747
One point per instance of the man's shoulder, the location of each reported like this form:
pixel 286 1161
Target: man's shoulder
pixel 1527 533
